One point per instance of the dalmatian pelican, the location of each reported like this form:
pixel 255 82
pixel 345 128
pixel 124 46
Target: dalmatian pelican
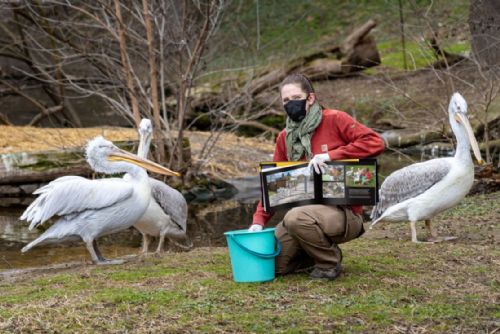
pixel 166 215
pixel 88 209
pixel 422 190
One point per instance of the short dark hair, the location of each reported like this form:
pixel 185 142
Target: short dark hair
pixel 298 79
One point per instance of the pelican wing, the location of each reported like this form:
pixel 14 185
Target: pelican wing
pixel 171 201
pixel 72 194
pixel 410 182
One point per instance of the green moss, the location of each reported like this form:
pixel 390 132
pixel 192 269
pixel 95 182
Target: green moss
pixel 417 55
pixel 458 48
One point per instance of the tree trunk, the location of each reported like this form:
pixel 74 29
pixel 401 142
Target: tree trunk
pixel 153 74
pixel 484 23
pixel 45 176
pixel 126 65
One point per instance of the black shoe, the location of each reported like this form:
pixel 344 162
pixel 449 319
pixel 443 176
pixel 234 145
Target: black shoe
pixel 326 273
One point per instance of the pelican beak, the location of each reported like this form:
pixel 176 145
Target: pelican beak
pixel 121 155
pixel 461 118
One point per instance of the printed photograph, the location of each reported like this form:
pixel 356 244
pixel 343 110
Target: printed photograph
pixel 333 190
pixel 290 186
pixel 333 174
pixel 360 176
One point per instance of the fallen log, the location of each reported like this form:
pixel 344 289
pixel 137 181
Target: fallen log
pixel 255 124
pixel 28 177
pixel 24 168
pixel 406 138
pixel 357 52
pixel 39 167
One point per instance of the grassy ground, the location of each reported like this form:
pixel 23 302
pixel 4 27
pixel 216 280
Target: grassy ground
pixel 389 285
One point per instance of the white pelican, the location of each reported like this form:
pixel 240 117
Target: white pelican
pixel 166 215
pixel 88 209
pixel 422 190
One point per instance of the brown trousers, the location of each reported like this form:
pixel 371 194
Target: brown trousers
pixel 309 235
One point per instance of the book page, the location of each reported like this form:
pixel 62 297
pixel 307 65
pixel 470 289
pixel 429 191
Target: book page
pixel 348 182
pixel 333 181
pixel 360 180
pixel 289 186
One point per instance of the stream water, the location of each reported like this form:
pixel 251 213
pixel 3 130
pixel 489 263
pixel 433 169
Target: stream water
pixel 206 225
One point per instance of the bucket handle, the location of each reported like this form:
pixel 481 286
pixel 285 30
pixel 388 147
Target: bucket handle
pixel 264 256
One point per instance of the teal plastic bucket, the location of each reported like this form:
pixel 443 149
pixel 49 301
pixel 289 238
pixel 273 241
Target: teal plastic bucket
pixel 252 254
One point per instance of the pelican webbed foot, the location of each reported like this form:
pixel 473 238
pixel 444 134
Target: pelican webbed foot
pixel 185 247
pixel 433 237
pixel 414 238
pixel 423 242
pixel 109 262
pixel 97 257
pixel 436 239
pixel 97 252
pixel 94 251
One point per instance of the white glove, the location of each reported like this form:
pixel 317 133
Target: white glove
pixel 318 162
pixel 255 228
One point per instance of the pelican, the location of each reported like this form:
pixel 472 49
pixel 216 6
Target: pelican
pixel 166 215
pixel 88 209
pixel 422 190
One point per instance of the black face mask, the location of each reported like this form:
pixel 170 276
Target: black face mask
pixel 296 109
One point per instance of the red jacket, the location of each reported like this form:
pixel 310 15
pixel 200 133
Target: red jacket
pixel 338 134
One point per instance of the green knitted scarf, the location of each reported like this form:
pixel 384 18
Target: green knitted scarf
pixel 298 134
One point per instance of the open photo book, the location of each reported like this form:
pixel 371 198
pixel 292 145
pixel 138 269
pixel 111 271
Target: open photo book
pixel 345 182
